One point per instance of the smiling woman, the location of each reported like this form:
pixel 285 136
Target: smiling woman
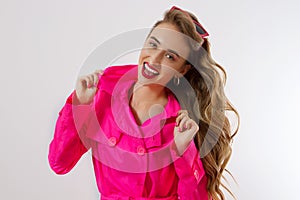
pixel 164 55
pixel 158 129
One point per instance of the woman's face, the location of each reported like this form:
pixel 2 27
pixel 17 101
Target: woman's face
pixel 163 55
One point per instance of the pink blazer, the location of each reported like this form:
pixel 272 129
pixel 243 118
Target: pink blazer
pixel 130 161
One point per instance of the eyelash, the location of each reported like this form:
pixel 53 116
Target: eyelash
pixel 152 44
pixel 171 57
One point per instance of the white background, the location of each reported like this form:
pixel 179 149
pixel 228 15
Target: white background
pixel 44 43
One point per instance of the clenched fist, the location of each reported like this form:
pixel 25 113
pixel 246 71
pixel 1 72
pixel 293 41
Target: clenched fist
pixel 86 87
pixel 185 130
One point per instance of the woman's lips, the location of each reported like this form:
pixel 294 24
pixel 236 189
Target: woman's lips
pixel 148 71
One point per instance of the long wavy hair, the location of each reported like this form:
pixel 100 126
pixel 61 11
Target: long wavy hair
pixel 207 79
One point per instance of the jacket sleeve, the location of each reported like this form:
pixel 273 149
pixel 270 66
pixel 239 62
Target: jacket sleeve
pixel 67 145
pixel 189 169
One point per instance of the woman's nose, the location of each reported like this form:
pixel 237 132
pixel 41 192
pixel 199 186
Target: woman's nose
pixel 157 56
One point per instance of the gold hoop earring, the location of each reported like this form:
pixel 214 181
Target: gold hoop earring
pixel 176 80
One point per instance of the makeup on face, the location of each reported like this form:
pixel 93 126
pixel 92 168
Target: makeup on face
pixel 164 53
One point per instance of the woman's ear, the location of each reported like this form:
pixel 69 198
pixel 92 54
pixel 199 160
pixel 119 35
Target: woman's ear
pixel 185 69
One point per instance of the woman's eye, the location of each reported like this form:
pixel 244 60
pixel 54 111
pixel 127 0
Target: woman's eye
pixel 152 44
pixel 170 57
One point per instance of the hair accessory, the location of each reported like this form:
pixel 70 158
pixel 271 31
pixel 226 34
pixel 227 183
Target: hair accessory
pixel 199 28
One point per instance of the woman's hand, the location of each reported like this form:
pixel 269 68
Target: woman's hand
pixel 184 132
pixel 86 87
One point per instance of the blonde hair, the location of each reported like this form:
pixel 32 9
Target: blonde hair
pixel 208 80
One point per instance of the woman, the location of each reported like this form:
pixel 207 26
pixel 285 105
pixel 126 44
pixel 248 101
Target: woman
pixel 147 123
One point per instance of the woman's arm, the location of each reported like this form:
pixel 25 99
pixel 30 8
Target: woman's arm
pixel 189 169
pixel 66 147
pixel 188 165
pixel 69 142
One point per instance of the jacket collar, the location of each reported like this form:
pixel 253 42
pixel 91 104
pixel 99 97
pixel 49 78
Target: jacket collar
pixel 117 81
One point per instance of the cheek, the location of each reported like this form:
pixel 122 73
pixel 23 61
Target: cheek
pixel 167 72
pixel 171 68
pixel 142 55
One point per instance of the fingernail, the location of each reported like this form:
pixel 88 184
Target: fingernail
pixel 185 126
pixel 179 129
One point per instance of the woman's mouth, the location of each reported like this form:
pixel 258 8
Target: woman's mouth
pixel 149 71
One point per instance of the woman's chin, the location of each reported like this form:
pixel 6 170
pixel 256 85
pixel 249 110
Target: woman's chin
pixel 154 80
pixel 151 82
pixel 144 81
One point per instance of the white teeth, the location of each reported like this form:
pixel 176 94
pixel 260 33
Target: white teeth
pixel 150 70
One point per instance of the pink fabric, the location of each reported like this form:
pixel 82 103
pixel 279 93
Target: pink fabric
pixel 130 161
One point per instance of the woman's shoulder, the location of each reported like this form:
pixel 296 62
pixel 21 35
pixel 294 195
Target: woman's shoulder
pixel 118 70
pixel 113 74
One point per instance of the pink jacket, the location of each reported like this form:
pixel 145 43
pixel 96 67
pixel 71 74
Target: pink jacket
pixel 130 161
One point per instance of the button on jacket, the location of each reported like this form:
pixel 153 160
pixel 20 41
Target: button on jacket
pixel 130 161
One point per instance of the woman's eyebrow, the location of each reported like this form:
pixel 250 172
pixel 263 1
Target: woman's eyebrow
pixel 174 52
pixel 170 50
pixel 154 38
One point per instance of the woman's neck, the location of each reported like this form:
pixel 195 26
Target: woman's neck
pixel 148 94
